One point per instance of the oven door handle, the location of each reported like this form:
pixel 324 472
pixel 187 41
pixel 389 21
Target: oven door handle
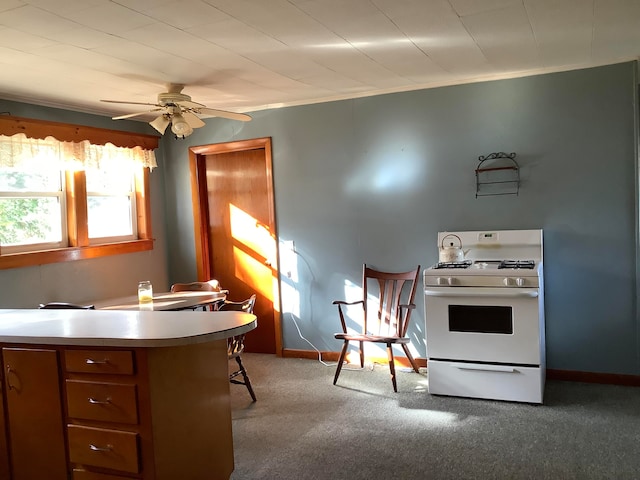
pixel 484 368
pixel 479 292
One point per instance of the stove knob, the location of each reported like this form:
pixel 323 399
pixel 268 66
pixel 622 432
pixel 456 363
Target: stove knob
pixel 451 281
pixel 441 281
pixel 520 282
pixel 507 281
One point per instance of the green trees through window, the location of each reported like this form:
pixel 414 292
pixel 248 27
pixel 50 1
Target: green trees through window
pixel 30 209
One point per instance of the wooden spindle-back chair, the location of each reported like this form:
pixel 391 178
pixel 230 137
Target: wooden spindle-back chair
pixel 388 322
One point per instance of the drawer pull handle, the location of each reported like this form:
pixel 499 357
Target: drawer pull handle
pixel 95 401
pixel 90 361
pixel 486 368
pixel 95 448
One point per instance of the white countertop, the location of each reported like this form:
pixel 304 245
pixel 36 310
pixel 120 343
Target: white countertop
pixel 120 328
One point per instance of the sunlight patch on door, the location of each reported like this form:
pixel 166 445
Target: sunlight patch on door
pixel 252 233
pixel 253 272
pixel 254 254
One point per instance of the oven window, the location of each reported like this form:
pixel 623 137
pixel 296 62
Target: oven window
pixel 480 319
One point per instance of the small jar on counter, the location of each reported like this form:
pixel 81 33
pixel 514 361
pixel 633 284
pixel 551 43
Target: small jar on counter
pixel 145 291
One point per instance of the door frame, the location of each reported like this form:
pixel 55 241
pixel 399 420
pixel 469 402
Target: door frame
pixel 200 206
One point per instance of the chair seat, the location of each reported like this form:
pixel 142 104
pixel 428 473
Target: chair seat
pixel 359 337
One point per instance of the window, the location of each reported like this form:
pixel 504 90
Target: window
pixel 111 206
pixel 82 201
pixel 34 213
pixel 31 210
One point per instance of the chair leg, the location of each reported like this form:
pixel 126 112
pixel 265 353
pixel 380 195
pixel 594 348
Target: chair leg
pixel 361 354
pixel 392 367
pixel 414 365
pixel 343 354
pixel 247 382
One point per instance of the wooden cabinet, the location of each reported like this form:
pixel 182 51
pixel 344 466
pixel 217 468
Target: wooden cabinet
pixel 103 425
pixel 188 391
pixel 34 414
pixel 115 395
pixel 118 414
pixel 81 474
pixel 4 449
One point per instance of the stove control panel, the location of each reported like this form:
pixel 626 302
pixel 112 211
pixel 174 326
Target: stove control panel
pixel 500 281
pixel 513 282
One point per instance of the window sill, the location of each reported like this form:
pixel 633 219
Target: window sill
pixel 42 257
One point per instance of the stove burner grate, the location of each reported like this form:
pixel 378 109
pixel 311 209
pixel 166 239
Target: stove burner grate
pixel 524 264
pixel 463 264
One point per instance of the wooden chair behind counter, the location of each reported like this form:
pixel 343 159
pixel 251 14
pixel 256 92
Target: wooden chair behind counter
pixel 235 345
pixel 210 286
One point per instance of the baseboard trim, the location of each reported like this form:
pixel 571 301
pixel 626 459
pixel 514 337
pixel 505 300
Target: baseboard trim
pixel 594 377
pixel 552 374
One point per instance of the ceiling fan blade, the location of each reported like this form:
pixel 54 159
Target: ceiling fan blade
pixel 129 115
pixel 192 119
pixel 161 123
pixel 190 104
pixel 222 113
pixel 131 103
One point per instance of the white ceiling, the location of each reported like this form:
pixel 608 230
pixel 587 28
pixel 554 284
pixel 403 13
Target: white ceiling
pixel 247 55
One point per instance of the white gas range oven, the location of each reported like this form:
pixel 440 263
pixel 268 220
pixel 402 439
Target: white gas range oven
pixel 485 318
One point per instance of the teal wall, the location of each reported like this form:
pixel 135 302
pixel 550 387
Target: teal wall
pixel 374 179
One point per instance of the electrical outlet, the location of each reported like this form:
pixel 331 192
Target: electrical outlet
pixel 289 245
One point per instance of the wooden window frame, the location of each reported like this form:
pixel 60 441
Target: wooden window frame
pixel 77 226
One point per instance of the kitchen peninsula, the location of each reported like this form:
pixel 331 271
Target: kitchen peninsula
pixel 115 395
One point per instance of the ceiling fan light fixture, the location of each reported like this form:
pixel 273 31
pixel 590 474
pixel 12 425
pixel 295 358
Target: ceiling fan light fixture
pixel 160 123
pixel 179 126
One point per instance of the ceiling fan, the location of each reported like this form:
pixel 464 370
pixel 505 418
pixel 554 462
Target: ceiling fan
pixel 180 111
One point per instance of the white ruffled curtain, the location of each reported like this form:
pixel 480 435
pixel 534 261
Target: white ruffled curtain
pixel 19 151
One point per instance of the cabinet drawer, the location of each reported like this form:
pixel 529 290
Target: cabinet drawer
pixel 81 474
pixel 100 447
pixel 477 380
pixel 108 402
pixel 99 361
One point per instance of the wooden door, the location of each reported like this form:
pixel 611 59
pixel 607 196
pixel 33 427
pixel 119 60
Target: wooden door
pixel 34 411
pixel 236 238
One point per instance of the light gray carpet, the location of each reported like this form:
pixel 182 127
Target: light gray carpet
pixel 303 427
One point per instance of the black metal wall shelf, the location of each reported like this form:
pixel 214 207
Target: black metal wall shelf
pixel 497 174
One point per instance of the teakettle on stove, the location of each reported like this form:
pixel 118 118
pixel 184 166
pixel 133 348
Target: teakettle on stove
pixel 452 252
